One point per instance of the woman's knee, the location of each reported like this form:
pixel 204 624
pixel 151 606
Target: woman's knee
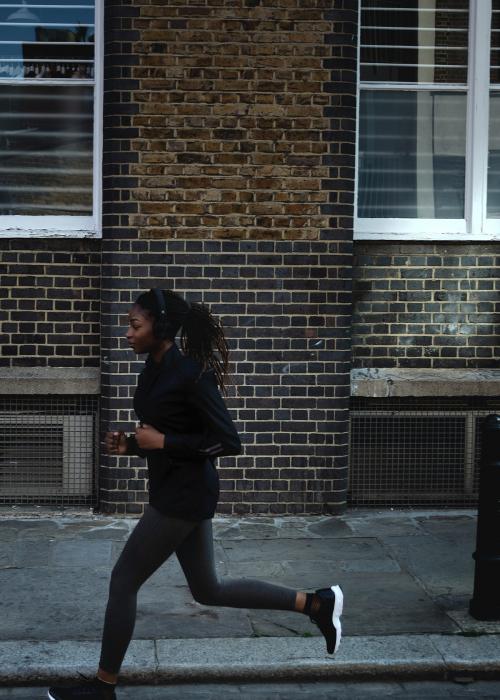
pixel 207 595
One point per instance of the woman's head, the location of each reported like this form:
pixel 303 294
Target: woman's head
pixel 168 312
pixel 152 322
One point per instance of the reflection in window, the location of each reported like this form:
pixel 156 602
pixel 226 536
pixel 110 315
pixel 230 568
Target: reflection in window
pixel 494 157
pixel 46 150
pixel 47 41
pixel 493 200
pixel 46 128
pixel 413 97
pixel 414 41
pixel 412 154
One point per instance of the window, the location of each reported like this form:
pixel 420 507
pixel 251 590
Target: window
pixel 493 197
pixel 50 122
pixel 426 168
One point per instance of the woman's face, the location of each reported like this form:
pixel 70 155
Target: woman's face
pixel 140 335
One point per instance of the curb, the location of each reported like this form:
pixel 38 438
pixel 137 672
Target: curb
pixel 261 658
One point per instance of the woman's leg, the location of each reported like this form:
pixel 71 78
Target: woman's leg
pixel 196 556
pixel 152 541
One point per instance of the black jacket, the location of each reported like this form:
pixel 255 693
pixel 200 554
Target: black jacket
pixel 185 404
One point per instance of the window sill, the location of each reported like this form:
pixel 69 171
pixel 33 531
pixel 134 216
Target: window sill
pixel 458 238
pixel 425 230
pixel 48 233
pixel 49 380
pixel 384 383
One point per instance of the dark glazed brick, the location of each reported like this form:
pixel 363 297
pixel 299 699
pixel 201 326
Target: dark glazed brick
pixel 453 312
pixel 40 327
pixel 274 434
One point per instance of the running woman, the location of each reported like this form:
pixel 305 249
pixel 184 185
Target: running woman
pixel 184 426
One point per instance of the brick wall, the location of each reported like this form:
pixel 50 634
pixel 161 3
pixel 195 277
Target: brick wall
pixel 50 303
pixel 229 177
pixel 426 305
pixel 236 120
pixel 290 364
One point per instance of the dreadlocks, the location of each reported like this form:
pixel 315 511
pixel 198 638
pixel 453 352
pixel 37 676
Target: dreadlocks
pixel 202 334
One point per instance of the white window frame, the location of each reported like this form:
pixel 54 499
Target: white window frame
pixel 475 226
pixel 70 226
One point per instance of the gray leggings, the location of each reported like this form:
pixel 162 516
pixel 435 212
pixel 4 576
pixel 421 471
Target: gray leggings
pixel 153 540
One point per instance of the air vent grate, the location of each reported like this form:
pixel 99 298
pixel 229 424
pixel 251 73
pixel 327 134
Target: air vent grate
pixel 27 450
pixel 413 452
pixel 47 450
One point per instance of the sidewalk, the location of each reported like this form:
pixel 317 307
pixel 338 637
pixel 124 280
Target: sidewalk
pixel 407 577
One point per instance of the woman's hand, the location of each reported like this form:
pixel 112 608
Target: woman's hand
pixel 116 443
pixel 148 438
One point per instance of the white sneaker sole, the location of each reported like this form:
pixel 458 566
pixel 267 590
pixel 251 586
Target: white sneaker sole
pixel 337 612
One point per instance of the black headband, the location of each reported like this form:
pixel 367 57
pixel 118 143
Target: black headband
pixel 160 300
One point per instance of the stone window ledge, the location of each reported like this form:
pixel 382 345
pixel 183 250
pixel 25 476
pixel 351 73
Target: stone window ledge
pixel 49 380
pixel 382 383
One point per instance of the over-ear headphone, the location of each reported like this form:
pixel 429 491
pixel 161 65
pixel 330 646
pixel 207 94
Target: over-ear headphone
pixel 161 324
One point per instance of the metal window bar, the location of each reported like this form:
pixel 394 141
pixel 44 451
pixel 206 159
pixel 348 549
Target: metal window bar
pixel 416 452
pixel 48 450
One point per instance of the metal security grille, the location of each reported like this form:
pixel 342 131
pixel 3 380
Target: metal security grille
pixel 48 450
pixel 416 451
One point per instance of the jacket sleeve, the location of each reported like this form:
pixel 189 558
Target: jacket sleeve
pixel 218 436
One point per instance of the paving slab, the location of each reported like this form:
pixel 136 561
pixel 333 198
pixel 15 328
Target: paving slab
pixel 391 604
pixel 194 624
pixel 438 564
pixel 72 553
pixel 32 553
pixel 8 534
pixel 50 604
pixel 443 525
pixel 7 554
pixel 470 625
pixel 35 530
pixel 383 604
pixel 334 550
pixel 20 522
pixel 280 623
pixel 330 527
pixel 34 662
pixel 251 531
pixel 393 526
pixel 473 654
pixel 112 534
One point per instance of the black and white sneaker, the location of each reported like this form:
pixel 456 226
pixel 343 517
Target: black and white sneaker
pixel 327 618
pixel 91 690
